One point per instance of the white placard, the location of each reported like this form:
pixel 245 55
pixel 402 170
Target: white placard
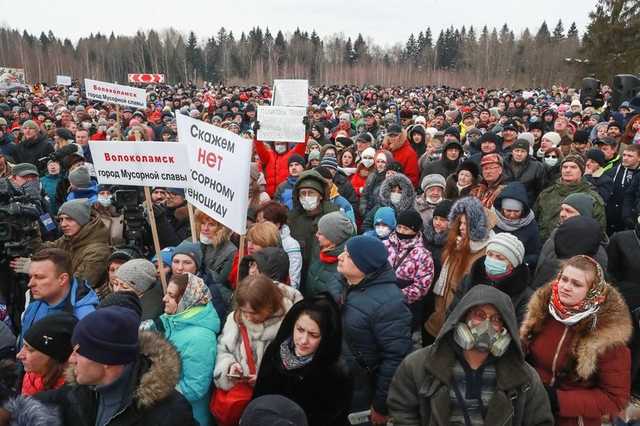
pixel 140 163
pixel 281 124
pixel 115 93
pixel 12 78
pixel 63 80
pixel 219 171
pixel 290 93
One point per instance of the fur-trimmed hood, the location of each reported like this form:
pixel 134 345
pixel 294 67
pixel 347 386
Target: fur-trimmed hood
pixel 157 370
pixel 408 193
pixel 26 411
pixel 612 328
pixel 477 222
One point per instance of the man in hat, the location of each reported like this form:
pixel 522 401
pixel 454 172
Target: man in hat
pixel 509 135
pixel 519 166
pixel 284 192
pixel 609 147
pixel 403 153
pixel 493 179
pixel 177 213
pixel 376 323
pixel 114 369
pixel 33 146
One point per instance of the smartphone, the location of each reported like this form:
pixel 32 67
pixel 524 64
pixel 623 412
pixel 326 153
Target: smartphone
pixel 359 418
pixel 237 376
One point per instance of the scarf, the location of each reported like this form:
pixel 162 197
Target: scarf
pixel 196 294
pixel 570 315
pixel 328 258
pixel 510 225
pixel 291 361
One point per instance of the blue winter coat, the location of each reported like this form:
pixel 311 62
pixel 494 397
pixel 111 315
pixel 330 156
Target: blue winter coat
pixel 284 193
pixel 194 334
pixel 49 184
pixel 90 193
pixel 377 332
pixel 529 235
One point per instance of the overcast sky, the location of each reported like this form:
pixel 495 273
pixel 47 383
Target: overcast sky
pixel 387 22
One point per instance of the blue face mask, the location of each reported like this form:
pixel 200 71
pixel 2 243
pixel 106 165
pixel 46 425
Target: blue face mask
pixel 494 267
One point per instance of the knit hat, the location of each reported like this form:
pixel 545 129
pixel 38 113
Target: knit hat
pixel 24 169
pixel 190 249
pixel 139 273
pixel 30 124
pixel 453 131
pixel 580 201
pixel 527 136
pixel 385 216
pixel 273 410
pixel 365 137
pixel 167 255
pixel 311 179
pixel 509 246
pixel 432 180
pixel 443 208
pixel 596 155
pixel 411 219
pixel 176 191
pixel 521 144
pixel 490 159
pixel 52 335
pixel 80 178
pixel 369 152
pixel 126 299
pixel 314 155
pixel 368 253
pixel 581 136
pixel 336 227
pixel 123 254
pixel 394 129
pixel 297 158
pixel 553 137
pixel 471 167
pixel 78 210
pixel 576 159
pixel 329 162
pixel 108 336
pixel 512 204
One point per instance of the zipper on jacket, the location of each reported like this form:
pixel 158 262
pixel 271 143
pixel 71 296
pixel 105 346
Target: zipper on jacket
pixel 555 356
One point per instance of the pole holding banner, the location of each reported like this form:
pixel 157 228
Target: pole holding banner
pixel 240 256
pixel 119 121
pixel 156 239
pixel 192 223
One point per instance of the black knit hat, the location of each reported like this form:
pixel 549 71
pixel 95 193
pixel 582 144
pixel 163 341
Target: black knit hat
pixel 470 166
pixel 126 299
pixel 411 219
pixel 273 410
pixel 443 208
pixel 521 144
pixel 581 136
pixel 596 155
pixel 297 158
pixel 52 335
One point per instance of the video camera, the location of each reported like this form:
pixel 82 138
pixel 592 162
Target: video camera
pixel 129 203
pixel 19 215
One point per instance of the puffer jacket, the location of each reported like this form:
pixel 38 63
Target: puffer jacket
pixel 412 264
pixel 193 332
pixel 589 362
pixel 377 336
pixel 150 401
pixel 276 166
pixel 89 251
pixel 547 206
pixel 407 202
pixel 408 159
pixel 231 348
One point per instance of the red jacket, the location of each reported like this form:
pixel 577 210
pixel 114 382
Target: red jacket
pixel 276 166
pixel 408 159
pixel 358 183
pixel 592 369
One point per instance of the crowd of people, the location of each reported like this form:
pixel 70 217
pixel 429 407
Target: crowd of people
pixel 429 255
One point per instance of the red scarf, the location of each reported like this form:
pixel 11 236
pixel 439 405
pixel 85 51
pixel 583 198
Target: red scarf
pixel 327 258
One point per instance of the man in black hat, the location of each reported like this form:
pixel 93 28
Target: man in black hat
pixel 518 166
pixel 177 213
pixel 609 147
pixel 509 135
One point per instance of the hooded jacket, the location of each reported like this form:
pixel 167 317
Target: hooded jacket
pixel 547 206
pixel 406 202
pixel 406 156
pixel 30 150
pixel 276 166
pixel 419 148
pixel 530 173
pixel 420 391
pixel 323 387
pixel 412 264
pixel 89 251
pixel 377 336
pixel 151 400
pixel 589 360
pixel 25 411
pixel 526 228
pixel 623 266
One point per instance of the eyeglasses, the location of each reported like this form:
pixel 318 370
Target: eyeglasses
pixel 480 315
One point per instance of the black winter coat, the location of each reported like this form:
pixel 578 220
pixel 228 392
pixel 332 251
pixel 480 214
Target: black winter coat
pixel 377 336
pixel 531 175
pixel 30 150
pixel 156 403
pixel 624 265
pixel 346 189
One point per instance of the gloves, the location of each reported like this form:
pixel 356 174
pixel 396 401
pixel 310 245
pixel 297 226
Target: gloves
pixel 305 121
pixel 21 265
pixel 553 398
pixel 256 126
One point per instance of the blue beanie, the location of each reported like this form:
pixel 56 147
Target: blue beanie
pixel 191 249
pixel 368 253
pixel 167 256
pixel 385 215
pixel 108 336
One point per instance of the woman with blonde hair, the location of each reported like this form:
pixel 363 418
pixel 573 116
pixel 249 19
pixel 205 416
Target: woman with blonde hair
pixel 217 249
pixel 575 335
pixel 261 235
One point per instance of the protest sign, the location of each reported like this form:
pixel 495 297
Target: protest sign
pixel 219 171
pixel 281 124
pixel 115 93
pixel 146 78
pixel 63 80
pixel 290 93
pixel 140 163
pixel 12 78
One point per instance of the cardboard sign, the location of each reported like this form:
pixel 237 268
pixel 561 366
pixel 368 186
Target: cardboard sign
pixel 63 80
pixel 290 93
pixel 219 171
pixel 12 78
pixel 115 93
pixel 140 163
pixel 281 124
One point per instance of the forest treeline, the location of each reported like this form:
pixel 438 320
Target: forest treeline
pixel 472 56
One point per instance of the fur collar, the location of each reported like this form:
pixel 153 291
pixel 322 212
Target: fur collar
pixel 612 328
pixel 158 378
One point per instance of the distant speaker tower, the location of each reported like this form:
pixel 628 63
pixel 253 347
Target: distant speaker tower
pixel 625 87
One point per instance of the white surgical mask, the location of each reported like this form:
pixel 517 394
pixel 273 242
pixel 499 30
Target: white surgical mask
pixel 367 162
pixel 550 161
pixel 280 149
pixel 205 240
pixel 309 203
pixel 86 125
pixel 104 201
pixel 382 231
pixel 395 197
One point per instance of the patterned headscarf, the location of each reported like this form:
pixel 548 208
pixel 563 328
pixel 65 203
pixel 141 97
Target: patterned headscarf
pixel 596 295
pixel 196 294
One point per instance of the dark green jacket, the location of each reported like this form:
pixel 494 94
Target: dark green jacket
pixel 323 276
